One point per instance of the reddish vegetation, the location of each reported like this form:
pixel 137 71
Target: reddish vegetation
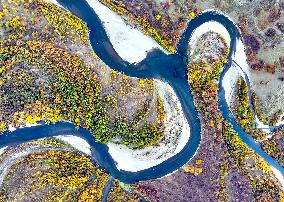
pixel 252 42
pixel 280 26
pixel 281 62
pixel 148 191
pixel 281 78
pixel 274 15
pixel 261 66
pixel 270 32
pixel 242 24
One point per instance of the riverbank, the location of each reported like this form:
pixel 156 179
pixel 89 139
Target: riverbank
pixel 211 26
pixel 177 133
pixel 241 69
pixel 77 142
pixel 131 44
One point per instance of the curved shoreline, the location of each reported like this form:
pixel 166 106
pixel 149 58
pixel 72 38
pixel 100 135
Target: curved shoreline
pixel 176 135
pixel 181 52
pixel 170 68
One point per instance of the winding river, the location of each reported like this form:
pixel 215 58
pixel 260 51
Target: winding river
pixel 169 68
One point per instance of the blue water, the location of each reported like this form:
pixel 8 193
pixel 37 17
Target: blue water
pixel 169 68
